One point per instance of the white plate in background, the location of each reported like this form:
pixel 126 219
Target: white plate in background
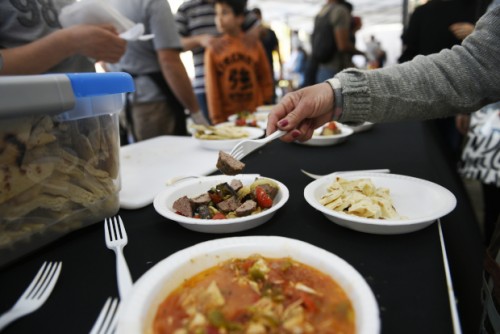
pixel 362 127
pixel 419 201
pixel 228 144
pixel 318 140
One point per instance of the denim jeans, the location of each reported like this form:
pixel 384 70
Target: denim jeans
pixel 324 73
pixel 202 101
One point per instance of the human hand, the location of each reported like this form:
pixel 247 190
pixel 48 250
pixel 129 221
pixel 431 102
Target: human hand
pixel 99 42
pixel 301 112
pixel 461 29
pixel 199 118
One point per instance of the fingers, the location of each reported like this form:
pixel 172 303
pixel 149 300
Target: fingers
pixel 111 28
pixel 300 112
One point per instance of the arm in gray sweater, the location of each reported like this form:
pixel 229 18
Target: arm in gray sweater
pixel 462 79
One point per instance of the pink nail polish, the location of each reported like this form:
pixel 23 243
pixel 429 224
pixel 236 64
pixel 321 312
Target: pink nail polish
pixel 295 133
pixel 283 122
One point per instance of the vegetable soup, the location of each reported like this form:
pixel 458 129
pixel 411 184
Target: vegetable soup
pixel 257 295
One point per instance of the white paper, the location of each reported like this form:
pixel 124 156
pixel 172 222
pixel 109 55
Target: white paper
pixel 93 12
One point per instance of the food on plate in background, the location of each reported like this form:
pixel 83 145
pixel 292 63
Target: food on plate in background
pixel 222 132
pixel 228 165
pixel 229 200
pixel 361 198
pixel 257 295
pixel 330 129
pixel 245 118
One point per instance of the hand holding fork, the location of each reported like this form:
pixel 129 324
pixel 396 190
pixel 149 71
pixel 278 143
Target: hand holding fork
pixel 116 239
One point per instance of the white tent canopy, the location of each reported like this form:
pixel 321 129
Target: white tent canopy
pixel 299 14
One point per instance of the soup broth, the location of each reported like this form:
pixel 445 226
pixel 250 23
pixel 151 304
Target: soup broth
pixel 257 295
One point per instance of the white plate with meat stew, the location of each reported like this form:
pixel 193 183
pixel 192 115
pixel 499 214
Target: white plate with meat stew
pixel 214 204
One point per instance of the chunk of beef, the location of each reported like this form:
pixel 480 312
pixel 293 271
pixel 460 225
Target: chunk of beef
pixel 203 199
pixel 270 190
pixel 229 165
pixel 228 205
pixel 184 206
pixel 246 208
pixel 236 184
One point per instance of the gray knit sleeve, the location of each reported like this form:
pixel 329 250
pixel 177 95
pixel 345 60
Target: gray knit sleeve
pixel 462 79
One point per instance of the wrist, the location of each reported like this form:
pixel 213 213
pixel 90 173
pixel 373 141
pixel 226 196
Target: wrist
pixel 338 103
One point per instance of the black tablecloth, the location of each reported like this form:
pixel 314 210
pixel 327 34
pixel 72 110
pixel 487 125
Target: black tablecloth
pixel 405 272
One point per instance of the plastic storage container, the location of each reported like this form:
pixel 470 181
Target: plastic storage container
pixel 59 155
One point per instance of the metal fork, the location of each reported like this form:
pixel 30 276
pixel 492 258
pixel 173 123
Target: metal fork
pixel 245 147
pixel 35 295
pixel 108 318
pixel 116 239
pixel 316 176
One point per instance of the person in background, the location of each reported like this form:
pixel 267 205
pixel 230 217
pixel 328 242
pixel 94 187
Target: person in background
pixel 294 68
pixel 375 55
pixel 271 46
pixel 237 78
pixel 195 21
pixel 479 159
pixel 428 32
pixel 336 16
pixel 163 89
pixel 32 40
pixel 460 80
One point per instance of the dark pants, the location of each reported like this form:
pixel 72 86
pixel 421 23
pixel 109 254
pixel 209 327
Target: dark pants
pixel 491 199
pixel 202 101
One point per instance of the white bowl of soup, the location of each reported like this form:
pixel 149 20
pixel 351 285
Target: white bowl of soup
pixel 242 281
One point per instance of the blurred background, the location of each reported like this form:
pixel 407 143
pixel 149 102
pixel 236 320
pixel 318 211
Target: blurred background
pixel 384 19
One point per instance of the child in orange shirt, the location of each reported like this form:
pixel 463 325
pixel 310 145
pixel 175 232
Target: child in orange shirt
pixel 237 78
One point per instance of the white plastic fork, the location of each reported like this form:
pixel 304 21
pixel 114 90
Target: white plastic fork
pixel 245 147
pixel 316 176
pixel 108 318
pixel 35 295
pixel 116 239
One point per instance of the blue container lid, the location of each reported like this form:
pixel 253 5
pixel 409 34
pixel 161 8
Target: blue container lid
pixel 95 84
pixel 24 95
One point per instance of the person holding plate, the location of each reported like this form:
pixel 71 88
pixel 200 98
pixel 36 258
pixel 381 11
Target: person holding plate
pixel 32 40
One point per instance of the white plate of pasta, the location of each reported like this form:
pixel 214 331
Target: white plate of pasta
pixel 223 137
pixel 379 203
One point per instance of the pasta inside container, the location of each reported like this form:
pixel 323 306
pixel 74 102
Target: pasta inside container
pixel 59 160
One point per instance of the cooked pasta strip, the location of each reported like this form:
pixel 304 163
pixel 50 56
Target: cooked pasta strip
pixel 360 198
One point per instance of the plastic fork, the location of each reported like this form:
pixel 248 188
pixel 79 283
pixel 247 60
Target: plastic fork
pixel 107 320
pixel 316 176
pixel 245 147
pixel 35 295
pixel 116 239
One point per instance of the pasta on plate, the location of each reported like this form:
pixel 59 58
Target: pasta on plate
pixel 219 132
pixel 361 198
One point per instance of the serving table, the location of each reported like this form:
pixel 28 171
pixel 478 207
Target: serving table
pixel 406 272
